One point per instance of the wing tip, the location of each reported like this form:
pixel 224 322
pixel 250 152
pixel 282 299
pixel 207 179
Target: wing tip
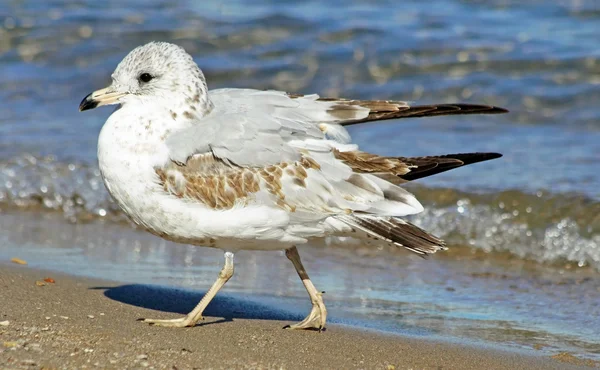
pixel 460 160
pixel 477 108
pixel 470 158
pixel 498 110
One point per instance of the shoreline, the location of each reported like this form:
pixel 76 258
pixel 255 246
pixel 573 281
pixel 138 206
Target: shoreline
pixel 79 322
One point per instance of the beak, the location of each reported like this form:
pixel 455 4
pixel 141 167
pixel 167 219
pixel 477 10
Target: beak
pixel 100 97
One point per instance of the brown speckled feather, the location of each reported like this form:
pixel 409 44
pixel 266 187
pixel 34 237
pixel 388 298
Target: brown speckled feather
pixel 220 185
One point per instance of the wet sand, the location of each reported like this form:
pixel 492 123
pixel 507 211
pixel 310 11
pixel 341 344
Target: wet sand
pixel 79 322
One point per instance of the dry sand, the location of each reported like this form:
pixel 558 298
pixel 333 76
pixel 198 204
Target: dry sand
pixel 84 323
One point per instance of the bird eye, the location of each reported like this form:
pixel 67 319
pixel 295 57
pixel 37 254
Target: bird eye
pixel 146 77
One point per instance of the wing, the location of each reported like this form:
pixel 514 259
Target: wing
pixel 330 115
pixel 269 149
pixel 274 154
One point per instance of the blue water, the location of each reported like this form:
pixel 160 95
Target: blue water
pixel 539 59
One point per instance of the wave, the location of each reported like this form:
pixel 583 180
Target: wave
pixel 545 227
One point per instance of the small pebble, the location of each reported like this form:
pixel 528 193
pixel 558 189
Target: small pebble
pixel 90 316
pixel 18 261
pixel 4 323
pixel 142 357
pixel 64 317
pixel 35 347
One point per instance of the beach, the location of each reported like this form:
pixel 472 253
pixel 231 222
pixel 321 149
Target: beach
pixel 71 323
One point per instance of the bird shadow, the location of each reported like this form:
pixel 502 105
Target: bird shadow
pixel 228 307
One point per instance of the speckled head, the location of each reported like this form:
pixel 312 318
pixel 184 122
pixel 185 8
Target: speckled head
pixel 155 73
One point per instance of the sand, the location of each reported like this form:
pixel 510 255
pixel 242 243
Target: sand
pixel 77 322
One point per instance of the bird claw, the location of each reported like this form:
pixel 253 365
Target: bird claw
pixel 172 323
pixel 315 320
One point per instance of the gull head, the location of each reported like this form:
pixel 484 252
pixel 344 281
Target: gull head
pixel 158 73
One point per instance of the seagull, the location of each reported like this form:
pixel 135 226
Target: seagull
pixel 245 169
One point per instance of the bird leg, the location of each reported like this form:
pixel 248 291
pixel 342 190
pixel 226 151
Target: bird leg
pixel 196 314
pixel 318 315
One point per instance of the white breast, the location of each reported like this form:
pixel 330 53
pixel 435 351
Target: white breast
pixel 127 155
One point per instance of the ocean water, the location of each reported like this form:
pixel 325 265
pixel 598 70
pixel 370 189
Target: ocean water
pixel 524 229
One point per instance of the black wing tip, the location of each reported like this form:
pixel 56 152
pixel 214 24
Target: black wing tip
pixel 471 158
pixel 499 110
pixel 462 159
pixel 468 158
pixel 479 108
pixel 417 111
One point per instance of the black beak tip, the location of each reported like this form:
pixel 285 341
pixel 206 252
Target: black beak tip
pixel 87 103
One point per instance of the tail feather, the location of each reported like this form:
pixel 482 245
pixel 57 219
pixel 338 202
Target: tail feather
pixel 396 232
